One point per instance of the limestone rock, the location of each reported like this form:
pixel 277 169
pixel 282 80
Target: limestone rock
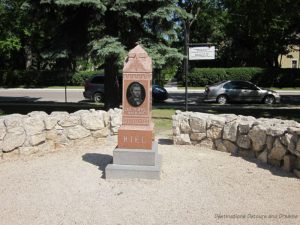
pixel 263 157
pixel 217 121
pixel 230 147
pixel 40 114
pixel 197 136
pixel 176 130
pixel 230 131
pixel 50 122
pixel 220 145
pixel 207 143
pixel 214 132
pixel 77 132
pixel 14 124
pixel 33 125
pixel 115 120
pixel 258 136
pixel 12 141
pixel 2 129
pixel 278 151
pixel 243 141
pixel 293 145
pixel 69 121
pixel 294 130
pixel 101 133
pixel 289 162
pixel 270 140
pixel 198 124
pixel 37 139
pixel 244 127
pixel 275 131
pixel 93 121
pixel 184 125
pixel 183 139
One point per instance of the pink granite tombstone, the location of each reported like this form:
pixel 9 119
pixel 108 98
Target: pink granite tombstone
pixel 136 155
pixel 136 131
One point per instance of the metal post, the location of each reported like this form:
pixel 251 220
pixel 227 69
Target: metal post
pixel 66 100
pixel 186 61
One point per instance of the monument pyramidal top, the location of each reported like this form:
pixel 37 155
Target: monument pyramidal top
pixel 138 61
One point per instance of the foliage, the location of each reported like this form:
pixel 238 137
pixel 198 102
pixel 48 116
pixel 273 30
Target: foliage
pixel 80 77
pixel 266 77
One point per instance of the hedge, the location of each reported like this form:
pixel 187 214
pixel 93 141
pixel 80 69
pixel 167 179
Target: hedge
pixel 33 78
pixel 265 77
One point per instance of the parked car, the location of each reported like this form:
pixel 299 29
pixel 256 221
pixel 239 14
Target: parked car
pixel 239 91
pixel 94 90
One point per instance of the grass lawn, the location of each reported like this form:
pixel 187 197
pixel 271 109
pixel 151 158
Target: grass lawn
pixel 162 119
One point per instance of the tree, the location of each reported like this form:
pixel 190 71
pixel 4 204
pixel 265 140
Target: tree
pixel 122 24
pixel 261 30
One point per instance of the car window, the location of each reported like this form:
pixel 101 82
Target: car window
pixel 246 85
pixel 98 80
pixel 231 85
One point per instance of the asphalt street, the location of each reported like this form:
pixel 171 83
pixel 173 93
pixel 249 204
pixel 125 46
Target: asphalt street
pixel 176 96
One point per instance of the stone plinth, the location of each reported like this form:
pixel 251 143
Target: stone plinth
pixel 134 163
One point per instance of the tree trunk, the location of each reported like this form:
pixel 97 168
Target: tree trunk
pixel 28 56
pixel 111 83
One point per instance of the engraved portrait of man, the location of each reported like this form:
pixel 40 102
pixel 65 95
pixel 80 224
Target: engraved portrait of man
pixel 135 94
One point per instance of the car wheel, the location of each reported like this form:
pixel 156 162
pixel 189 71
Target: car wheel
pixel 269 99
pixel 222 99
pixel 98 97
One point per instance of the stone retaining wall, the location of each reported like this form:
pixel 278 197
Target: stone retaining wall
pixel 273 141
pixel 39 132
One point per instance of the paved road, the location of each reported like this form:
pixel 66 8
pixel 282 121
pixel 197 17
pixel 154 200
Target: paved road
pixel 75 95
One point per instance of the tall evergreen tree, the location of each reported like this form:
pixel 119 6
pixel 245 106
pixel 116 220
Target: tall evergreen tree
pixel 116 26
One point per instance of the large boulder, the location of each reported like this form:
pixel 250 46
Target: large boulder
pixel 220 146
pixel 77 132
pixel 214 132
pixel 258 137
pixel 33 125
pixel 217 121
pixel 184 125
pixel 14 123
pixel 244 141
pixel 198 124
pixel 230 147
pixel 183 139
pixel 69 121
pixel 263 156
pixel 93 120
pixel 230 131
pixel 50 122
pixel 197 136
pixel 278 151
pixel 293 144
pixel 12 141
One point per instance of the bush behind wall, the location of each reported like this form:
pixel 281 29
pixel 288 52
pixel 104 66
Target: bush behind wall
pixel 265 77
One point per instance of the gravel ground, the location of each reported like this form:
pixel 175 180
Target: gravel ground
pixel 197 186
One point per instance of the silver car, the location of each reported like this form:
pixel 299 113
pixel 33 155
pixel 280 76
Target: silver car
pixel 239 91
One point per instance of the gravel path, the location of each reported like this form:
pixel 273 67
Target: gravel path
pixel 197 186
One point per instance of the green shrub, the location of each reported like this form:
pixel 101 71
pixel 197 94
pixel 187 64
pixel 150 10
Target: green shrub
pixel 265 77
pixel 79 77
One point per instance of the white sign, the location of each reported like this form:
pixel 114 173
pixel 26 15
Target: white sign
pixel 202 53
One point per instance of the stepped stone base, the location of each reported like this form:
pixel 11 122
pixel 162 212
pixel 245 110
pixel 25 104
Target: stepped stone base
pixel 134 163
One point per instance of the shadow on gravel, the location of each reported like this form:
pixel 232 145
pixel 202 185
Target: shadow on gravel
pixel 165 141
pixel 275 170
pixel 100 160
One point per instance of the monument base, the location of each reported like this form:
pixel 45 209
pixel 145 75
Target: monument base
pixel 135 137
pixel 136 163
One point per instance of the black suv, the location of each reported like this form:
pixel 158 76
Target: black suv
pixel 94 89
